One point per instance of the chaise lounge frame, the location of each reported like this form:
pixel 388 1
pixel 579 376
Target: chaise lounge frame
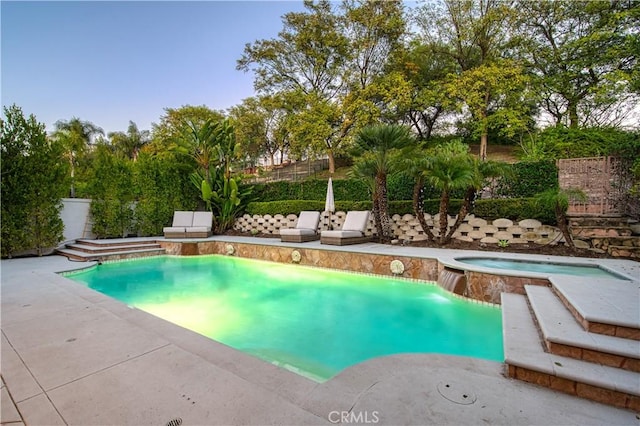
pixel 352 232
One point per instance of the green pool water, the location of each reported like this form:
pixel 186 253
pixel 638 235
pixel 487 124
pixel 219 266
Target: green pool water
pixel 312 321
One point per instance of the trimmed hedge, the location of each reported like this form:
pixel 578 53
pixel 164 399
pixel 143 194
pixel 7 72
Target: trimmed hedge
pixel 311 189
pixel 529 179
pixel 399 187
pixel 514 208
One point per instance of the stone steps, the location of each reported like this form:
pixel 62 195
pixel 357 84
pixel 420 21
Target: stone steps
pixel 103 250
pixel 96 249
pixel 545 344
pixel 563 335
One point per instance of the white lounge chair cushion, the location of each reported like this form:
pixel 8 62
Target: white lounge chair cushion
pixel 342 234
pixel 356 221
pixel 174 229
pixel 297 231
pixel 308 220
pixel 181 218
pixel 202 219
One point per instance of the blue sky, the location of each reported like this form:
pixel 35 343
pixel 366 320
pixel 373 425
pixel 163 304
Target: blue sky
pixel 111 62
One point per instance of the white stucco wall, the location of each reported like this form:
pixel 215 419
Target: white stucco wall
pixel 76 219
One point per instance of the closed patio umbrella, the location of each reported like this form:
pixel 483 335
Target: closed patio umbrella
pixel 329 204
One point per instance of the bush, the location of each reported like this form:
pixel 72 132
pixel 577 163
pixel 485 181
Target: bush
pixel 311 189
pixel 112 192
pixel 33 182
pixel 163 187
pixel 513 208
pixel 528 179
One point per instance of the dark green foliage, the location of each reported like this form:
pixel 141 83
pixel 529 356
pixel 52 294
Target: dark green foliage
pixel 513 208
pixel 112 192
pixel 163 187
pixel 33 182
pixel 528 179
pixel 400 186
pixel 312 189
pixel 564 142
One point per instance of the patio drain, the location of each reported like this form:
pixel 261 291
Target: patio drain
pixel 455 392
pixel 174 422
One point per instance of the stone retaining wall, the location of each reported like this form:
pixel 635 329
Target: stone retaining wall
pixel 407 227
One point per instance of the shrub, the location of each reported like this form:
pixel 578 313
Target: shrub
pixel 33 182
pixel 528 179
pixel 163 187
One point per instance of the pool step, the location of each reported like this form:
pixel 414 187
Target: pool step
pixel 103 250
pixel 526 360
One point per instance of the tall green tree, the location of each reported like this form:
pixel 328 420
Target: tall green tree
pixel 377 151
pixel 75 135
pixel 175 125
pixel 584 56
pixel 495 96
pixel 307 63
pixel 263 127
pixel 33 182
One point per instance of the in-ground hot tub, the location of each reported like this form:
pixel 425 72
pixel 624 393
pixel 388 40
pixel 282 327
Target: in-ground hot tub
pixel 576 269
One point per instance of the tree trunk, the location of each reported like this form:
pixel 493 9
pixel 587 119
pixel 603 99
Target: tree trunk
pixel 332 162
pixel 383 207
pixel 483 145
pixel 573 114
pixel 444 219
pixel 418 208
pixel 72 191
pixel 469 196
pixel 377 220
pixel 561 218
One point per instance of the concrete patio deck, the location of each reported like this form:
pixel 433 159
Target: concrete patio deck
pixel 71 355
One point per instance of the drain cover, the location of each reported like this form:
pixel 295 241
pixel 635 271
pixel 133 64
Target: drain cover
pixel 457 393
pixel 174 422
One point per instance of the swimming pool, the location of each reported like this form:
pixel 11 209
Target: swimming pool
pixel 313 321
pixel 542 267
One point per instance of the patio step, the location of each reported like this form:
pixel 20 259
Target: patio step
pixel 604 306
pixel 563 335
pixel 103 250
pixel 94 249
pixel 526 359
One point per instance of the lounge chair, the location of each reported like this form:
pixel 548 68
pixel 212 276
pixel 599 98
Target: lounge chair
pixel 178 229
pixel 352 232
pixel 201 226
pixel 306 229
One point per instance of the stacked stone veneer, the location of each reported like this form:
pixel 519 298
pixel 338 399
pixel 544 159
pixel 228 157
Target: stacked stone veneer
pixel 407 227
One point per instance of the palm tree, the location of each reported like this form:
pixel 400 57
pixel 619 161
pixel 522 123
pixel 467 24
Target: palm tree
pixel 558 199
pixel 451 168
pixel 75 136
pixel 482 170
pixel 129 144
pixel 377 148
pixel 416 161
